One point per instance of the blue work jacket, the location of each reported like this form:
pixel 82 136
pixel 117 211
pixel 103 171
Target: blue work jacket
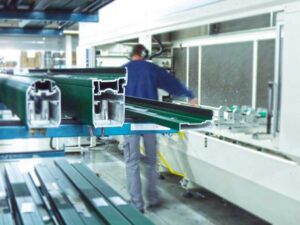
pixel 144 78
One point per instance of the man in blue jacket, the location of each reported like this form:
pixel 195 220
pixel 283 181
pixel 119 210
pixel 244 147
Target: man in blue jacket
pixel 144 78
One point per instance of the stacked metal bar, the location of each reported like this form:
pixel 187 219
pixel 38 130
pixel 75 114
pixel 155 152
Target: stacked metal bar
pixel 95 97
pixel 127 210
pixel 69 206
pixel 5 212
pixel 61 193
pixel 26 202
pixel 177 117
pixel 37 102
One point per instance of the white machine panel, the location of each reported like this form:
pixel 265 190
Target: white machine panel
pixel 289 141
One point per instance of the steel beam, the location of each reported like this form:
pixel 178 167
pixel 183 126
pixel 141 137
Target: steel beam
pixel 41 4
pixel 37 102
pixel 174 116
pixel 96 5
pixel 30 31
pixel 48 16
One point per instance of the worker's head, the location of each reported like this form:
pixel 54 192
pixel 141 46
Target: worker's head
pixel 139 52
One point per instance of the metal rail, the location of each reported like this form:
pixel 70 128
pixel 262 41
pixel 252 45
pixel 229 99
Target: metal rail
pixel 17 130
pixel 170 115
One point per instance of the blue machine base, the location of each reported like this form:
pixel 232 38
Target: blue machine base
pixel 72 130
pixel 37 154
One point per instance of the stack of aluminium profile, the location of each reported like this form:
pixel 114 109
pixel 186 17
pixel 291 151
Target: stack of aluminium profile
pixel 94 97
pixel 104 199
pixel 36 101
pixel 27 204
pixel 5 212
pixel 56 192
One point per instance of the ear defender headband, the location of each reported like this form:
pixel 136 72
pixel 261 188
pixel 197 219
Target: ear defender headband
pixel 140 50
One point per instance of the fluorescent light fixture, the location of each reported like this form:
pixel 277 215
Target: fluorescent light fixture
pixel 71 32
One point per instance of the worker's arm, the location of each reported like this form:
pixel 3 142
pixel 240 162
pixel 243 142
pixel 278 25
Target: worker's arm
pixel 171 84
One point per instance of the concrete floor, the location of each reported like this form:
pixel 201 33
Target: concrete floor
pixel 204 208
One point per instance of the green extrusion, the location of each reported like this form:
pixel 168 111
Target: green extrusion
pixel 64 197
pixel 6 214
pixel 24 203
pixel 78 92
pixel 91 195
pixel 170 115
pixel 13 93
pixel 36 101
pixel 68 194
pixel 127 210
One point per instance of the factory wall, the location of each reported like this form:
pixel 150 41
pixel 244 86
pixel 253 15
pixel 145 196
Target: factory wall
pixel 125 19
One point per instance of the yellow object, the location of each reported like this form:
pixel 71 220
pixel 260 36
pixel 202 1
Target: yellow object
pixel 181 135
pixel 168 166
pixel 164 161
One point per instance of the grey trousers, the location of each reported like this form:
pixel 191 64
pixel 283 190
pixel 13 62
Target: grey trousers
pixel 132 158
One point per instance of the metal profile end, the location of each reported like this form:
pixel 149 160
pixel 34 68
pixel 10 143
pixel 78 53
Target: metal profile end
pixel 109 102
pixel 43 104
pixel 196 126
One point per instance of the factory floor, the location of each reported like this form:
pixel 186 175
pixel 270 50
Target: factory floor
pixel 204 208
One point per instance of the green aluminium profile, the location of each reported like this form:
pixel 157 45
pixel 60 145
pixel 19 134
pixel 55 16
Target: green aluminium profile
pixel 36 101
pixel 6 217
pixel 24 203
pixel 126 209
pixel 96 199
pixel 174 116
pixel 67 204
pixel 96 99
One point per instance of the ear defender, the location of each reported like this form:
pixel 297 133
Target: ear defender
pixel 140 50
pixel 145 53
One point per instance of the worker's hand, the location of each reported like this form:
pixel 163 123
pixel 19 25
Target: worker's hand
pixel 194 102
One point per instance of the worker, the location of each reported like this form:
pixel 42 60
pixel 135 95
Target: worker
pixel 144 78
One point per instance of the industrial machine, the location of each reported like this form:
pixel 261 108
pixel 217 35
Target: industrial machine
pixel 239 158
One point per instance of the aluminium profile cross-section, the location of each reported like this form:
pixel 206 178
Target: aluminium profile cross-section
pixel 96 98
pixel 36 101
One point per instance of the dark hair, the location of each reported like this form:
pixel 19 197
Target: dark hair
pixel 140 50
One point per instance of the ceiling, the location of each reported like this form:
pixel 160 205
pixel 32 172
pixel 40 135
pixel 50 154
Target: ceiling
pixel 42 16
